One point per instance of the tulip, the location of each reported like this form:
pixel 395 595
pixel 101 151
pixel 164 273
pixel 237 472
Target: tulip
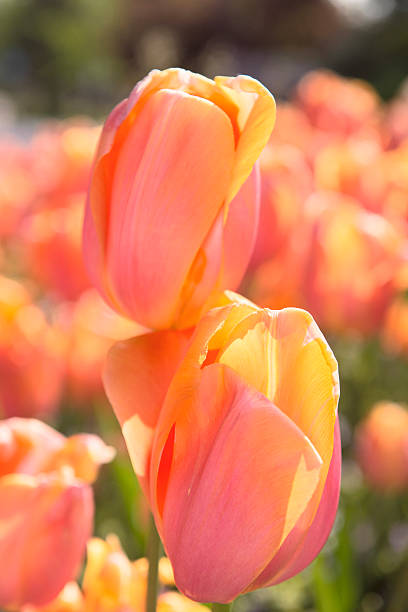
pixel 286 181
pixel 43 519
pixel 17 186
pixel 394 334
pixel 112 582
pixel 46 512
pixel 340 166
pixel 172 209
pixel 381 444
pixel 348 290
pixel 174 602
pixel 90 328
pixel 338 105
pixel 31 355
pixel 293 128
pixel 233 434
pixel 384 185
pixel 70 599
pixel 396 120
pixel 61 160
pixel 51 240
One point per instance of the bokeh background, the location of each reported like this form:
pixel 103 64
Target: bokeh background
pixel 80 56
pixel 335 181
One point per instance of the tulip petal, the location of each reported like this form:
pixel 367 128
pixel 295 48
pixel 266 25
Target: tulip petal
pixel 222 260
pixel 174 166
pixel 301 547
pixel 241 229
pixel 170 601
pixel 41 521
pixel 271 347
pixel 85 453
pixel 27 446
pixel 256 118
pixel 136 378
pixel 238 465
pixel 70 599
pixel 203 275
pixel 95 230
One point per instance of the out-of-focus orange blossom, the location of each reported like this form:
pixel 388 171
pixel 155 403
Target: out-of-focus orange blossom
pixel 54 330
pixel 113 583
pixel 31 355
pixel 46 511
pixel 333 231
pixel 89 329
pixel 381 446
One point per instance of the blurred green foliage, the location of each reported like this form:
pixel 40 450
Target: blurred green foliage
pixel 64 57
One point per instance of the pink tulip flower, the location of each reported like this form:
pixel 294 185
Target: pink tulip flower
pixel 46 510
pixel 381 445
pixel 234 436
pixel 31 355
pixel 172 210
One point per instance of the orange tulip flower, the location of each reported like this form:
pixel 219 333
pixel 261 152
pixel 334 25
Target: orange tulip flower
pixel 51 241
pixel 112 582
pixel 382 446
pixel 395 330
pixel 353 258
pixel 396 120
pixel 46 511
pixel 17 186
pixel 172 211
pixel 31 355
pixel 70 599
pixel 90 328
pixel 338 105
pixel 61 159
pixel 340 263
pixel 286 181
pixel 233 434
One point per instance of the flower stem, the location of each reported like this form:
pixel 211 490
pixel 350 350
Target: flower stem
pixel 217 607
pixel 153 551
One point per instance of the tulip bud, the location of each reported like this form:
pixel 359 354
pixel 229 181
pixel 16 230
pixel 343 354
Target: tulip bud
pixel 172 209
pixel 233 435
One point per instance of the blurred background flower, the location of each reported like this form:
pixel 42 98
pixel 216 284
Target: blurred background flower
pixel 47 508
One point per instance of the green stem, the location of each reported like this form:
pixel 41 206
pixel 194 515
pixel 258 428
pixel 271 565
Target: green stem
pixel 217 607
pixel 153 551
